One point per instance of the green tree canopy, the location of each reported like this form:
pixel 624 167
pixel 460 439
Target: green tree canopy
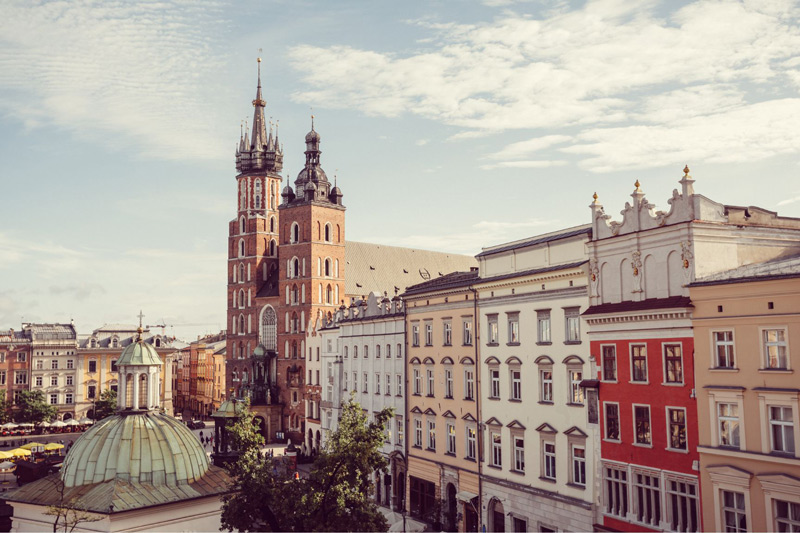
pixel 5 407
pixel 337 496
pixel 106 405
pixel 33 407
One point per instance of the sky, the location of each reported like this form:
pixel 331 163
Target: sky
pixel 451 125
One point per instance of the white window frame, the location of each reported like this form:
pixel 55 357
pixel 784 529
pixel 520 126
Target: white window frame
pixel 451 438
pixel 467 332
pixel 516 384
pixel 448 383
pixel 549 459
pixel 471 441
pixel 682 381
pixel 728 345
pixel 492 329
pixel 431 435
pixel 429 379
pixel 605 423
pixel 417 432
pixel 578 469
pixel 667 411
pixel 575 391
pixel 649 425
pixel 494 381
pixel 631 347
pixel 469 382
pixel 572 315
pixel 767 399
pixel 447 333
pixel 730 419
pixel 544 326
pixel 546 392
pixel 765 344
pixel 603 348
pixel 513 327
pixel 417 382
pixel 496 439
pixel 638 488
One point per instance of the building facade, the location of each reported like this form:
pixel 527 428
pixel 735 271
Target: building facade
pixel 746 324
pixel 442 404
pixel 15 363
pixel 541 433
pixel 54 365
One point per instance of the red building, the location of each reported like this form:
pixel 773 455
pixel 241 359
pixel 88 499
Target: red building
pixel 15 363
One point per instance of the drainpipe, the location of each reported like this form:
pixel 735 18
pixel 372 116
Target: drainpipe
pixel 478 407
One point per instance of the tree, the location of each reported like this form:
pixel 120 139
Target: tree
pixel 67 516
pixel 106 405
pixel 337 496
pixel 5 407
pixel 33 407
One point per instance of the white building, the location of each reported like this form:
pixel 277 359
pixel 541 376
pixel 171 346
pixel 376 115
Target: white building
pixel 540 449
pixel 363 356
pixel 54 365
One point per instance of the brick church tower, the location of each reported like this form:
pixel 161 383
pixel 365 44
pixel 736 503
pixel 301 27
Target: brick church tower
pixel 311 263
pixel 253 251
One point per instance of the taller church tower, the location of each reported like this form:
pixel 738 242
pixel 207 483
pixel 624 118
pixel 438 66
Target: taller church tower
pixel 312 263
pixel 253 249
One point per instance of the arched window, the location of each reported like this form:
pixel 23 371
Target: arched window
pixel 337 295
pixel 327 268
pixel 345 352
pixel 296 268
pixel 272 224
pixel 338 234
pixel 241 298
pixel 295 323
pixel 388 351
pixel 241 225
pixel 327 232
pixel 366 351
pixel 272 248
pixel 336 268
pixel 241 324
pixel 272 195
pixel 258 194
pixel 295 232
pixel 355 352
pixel 241 248
pixel 294 349
pixel 235 373
pixel 294 294
pixel 328 295
pixel 269 328
pixel 319 232
pixel 158 342
pixel 241 272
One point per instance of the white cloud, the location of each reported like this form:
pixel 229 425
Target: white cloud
pixel 614 69
pixel 117 72
pixel 789 201
pixel 526 164
pixel 522 149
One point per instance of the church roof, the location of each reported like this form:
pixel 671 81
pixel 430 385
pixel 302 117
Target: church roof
pixel 377 267
pixel 139 353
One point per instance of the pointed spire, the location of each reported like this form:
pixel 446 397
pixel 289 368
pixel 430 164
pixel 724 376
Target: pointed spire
pixel 259 136
pixel 270 140
pixel 278 147
pixel 246 138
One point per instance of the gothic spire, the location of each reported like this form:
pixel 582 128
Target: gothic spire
pixel 259 137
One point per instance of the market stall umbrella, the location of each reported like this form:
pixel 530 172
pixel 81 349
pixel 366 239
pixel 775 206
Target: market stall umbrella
pixel 8 425
pixel 5 455
pixel 72 422
pixel 7 466
pixel 58 424
pixel 44 424
pixel 52 446
pixel 26 424
pixel 86 421
pixel 32 445
pixel 19 452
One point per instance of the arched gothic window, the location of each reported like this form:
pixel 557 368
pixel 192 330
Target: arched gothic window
pixel 296 268
pixel 272 248
pixel 241 225
pixel 269 328
pixel 295 232
pixel 241 272
pixel 241 248
pixel 328 295
pixel 241 324
pixel 272 224
pixel 327 232
pixel 258 194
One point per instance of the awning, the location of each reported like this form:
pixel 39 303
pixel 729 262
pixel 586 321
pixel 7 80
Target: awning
pixel 466 496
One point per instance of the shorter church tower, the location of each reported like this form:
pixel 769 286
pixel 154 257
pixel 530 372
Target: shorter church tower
pixel 311 266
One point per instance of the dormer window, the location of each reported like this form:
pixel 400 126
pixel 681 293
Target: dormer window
pixel 93 343
pixel 115 343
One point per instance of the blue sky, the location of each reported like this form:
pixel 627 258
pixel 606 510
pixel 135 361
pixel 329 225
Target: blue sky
pixel 451 125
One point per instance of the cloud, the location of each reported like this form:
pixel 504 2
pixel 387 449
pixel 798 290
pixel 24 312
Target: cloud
pixel 120 73
pixel 422 142
pixel 789 201
pixel 611 70
pixel 526 164
pixel 79 292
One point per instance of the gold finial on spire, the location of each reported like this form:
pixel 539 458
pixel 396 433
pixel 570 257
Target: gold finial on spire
pixel 595 196
pixel 637 184
pixel 140 330
pixel 686 170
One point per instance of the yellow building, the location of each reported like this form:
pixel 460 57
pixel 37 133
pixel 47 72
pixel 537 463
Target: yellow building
pixel 97 369
pixel 746 322
pixel 442 397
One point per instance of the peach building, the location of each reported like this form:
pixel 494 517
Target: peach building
pixel 746 324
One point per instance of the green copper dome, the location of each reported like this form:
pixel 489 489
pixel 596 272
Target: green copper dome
pixel 139 353
pixel 146 447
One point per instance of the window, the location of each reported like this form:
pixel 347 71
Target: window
pixel 417 382
pixel 377 383
pixel 572 318
pixel 575 390
pixel 54 381
pixel 20 377
pixel 92 366
pixel 609 363
pixel 2 377
pixel 21 357
pixel 787 516
pixel 68 398
pixel 491 330
pixel 366 352
pixel 388 351
pixel 39 364
pixel 472 439
pixel 516 385
pixel 549 460
pixel 355 352
pixel 432 435
pixel 615 485
pixel 543 326
pixel 92 391
pixel 647 498
pixel 546 385
pixel 733 512
pixel 355 381
pixel 377 352
pixel 468 332
pixel 38 380
pixel 723 347
pixel 418 433
pixel 448 333
pixel 345 380
pixel 399 350
pixel 494 378
pixel 429 375
pixel 775 348
pixel 639 362
pixel 428 334
pixel 513 328
pixel 673 365
pixel 399 384
pixel 469 384
pixel 71 364
pixel 579 465
pixel 54 399
pixel 2 357
pixel 415 335
pixel 612 421
pixel 728 419
pixel 388 384
pixel 366 382
pixel 448 383
pixel 54 364
pixel 676 418
pixel 497 450
pixel 682 505
pixel 451 438
pixel 519 454
pixel 400 431
pixel 781 429
pixel 641 424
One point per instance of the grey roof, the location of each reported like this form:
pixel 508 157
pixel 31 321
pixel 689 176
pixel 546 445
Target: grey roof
pixel 379 268
pixel 51 331
pixel 540 239
pixel 448 281
pixel 783 267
